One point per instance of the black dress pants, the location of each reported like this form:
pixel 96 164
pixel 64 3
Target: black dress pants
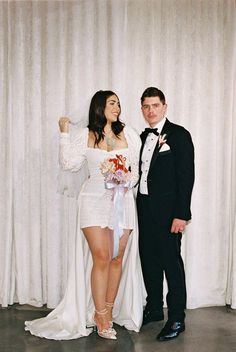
pixel 160 254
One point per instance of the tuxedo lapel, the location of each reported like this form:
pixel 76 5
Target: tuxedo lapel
pixel 165 130
pixel 143 137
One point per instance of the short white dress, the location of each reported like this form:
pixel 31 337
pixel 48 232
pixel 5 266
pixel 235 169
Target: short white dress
pixel 97 206
pixel 74 314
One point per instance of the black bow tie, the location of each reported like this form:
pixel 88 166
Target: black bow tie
pixel 151 130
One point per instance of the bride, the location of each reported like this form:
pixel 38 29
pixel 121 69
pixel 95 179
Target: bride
pixel 105 283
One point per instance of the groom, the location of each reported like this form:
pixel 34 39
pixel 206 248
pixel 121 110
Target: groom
pixel 163 201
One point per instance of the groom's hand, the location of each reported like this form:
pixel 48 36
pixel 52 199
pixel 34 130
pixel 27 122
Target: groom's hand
pixel 178 225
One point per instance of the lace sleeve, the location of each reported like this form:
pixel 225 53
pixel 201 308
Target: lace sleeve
pixel 72 150
pixel 134 144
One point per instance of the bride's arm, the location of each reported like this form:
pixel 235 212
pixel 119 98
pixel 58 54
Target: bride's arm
pixel 71 151
pixel 134 144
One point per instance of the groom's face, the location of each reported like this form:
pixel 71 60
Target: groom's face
pixel 153 110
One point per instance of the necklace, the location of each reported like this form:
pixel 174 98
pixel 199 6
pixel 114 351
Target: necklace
pixel 110 141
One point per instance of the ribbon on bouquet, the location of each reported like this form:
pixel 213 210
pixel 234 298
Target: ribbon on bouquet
pixel 118 201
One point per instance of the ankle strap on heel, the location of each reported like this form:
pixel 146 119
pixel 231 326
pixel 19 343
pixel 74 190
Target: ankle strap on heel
pixel 101 312
pixel 109 305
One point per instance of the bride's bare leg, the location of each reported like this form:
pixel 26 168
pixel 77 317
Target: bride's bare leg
pixel 99 243
pixel 115 274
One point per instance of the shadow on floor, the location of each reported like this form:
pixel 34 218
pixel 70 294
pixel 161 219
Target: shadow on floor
pixel 207 330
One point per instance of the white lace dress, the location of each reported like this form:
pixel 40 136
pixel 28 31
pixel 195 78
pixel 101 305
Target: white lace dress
pixel 95 208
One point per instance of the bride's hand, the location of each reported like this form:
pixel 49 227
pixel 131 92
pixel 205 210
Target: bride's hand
pixel 64 124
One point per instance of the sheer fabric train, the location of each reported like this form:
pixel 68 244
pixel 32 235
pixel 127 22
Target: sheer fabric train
pixel 69 320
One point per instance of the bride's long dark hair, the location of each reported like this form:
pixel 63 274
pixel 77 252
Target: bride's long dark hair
pixel 97 118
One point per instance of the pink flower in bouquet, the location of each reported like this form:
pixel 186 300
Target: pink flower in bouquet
pixel 115 170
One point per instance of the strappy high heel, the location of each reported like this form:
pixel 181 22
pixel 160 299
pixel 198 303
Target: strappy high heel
pixel 110 305
pixel 104 333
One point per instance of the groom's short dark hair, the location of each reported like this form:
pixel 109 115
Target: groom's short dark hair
pixel 153 92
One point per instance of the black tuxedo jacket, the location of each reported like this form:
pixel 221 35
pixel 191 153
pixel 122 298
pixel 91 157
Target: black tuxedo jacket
pixel 171 176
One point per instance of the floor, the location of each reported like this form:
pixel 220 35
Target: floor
pixel 207 330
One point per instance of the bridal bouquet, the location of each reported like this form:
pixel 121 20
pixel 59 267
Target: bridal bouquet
pixel 117 178
pixel 115 170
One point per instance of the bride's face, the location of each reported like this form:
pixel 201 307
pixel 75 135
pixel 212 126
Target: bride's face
pixel 112 108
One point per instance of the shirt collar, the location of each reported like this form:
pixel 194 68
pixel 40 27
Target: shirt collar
pixel 160 125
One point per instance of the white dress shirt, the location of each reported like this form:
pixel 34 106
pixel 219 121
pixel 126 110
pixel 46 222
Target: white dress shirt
pixel 146 156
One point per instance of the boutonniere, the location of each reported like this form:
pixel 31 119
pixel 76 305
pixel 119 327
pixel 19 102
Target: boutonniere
pixel 162 140
pixel 162 145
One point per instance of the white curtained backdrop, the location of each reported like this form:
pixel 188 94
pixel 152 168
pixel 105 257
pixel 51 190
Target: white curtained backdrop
pixel 54 55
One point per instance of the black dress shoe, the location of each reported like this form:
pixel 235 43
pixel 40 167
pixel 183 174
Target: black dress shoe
pixel 152 315
pixel 171 330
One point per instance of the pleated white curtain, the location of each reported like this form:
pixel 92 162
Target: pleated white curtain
pixel 53 56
